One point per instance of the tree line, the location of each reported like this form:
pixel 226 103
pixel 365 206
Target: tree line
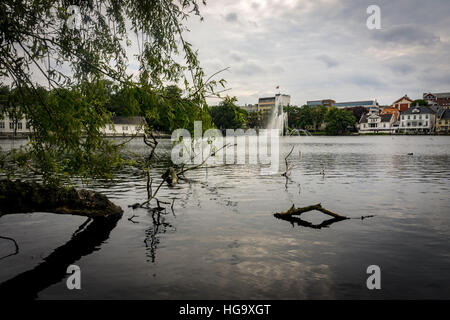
pixel 333 121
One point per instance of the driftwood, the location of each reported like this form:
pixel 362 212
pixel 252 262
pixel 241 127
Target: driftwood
pixel 24 197
pixel 298 211
pixel 292 215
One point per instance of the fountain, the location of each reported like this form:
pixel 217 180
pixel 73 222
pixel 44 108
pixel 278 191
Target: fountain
pixel 278 119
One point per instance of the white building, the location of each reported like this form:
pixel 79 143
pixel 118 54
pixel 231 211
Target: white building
pixel 417 119
pixel 10 126
pixel 121 126
pixel 376 123
pixel 125 126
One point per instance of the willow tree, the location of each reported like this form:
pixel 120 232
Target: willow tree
pixel 62 45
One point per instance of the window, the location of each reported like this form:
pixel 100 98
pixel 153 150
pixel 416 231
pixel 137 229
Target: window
pixel 414 117
pixel 426 123
pixel 420 117
pixel 11 125
pixel 125 128
pixel 2 125
pixel 384 125
pixel 409 117
pixel 426 116
pixel 110 127
pixel 27 125
pixel 19 126
pixel 420 124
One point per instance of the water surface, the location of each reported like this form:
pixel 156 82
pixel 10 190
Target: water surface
pixel 222 242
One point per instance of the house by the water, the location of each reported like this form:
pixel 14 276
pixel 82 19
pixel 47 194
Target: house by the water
pixel 125 126
pixel 377 123
pixel 417 119
pixel 120 126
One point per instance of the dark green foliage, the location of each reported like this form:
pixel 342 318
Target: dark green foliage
pixel 88 77
pixel 339 121
pixel 227 115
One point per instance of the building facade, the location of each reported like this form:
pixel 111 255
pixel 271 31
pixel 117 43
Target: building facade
pixel 125 126
pixel 377 123
pixel 14 127
pixel 267 104
pixel 417 119
pixel 371 105
pixel 402 104
pixel 442 99
pixel 443 121
pixel 326 102
pixel 389 110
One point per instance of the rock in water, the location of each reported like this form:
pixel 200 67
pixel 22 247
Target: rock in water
pixel 24 197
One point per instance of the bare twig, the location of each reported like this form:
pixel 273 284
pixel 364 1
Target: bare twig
pixel 16 246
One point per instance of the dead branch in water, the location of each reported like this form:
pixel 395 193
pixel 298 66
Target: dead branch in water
pixel 292 213
pixel 298 211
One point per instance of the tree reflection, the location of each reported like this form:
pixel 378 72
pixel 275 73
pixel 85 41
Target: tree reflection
pixel 159 226
pixel 52 270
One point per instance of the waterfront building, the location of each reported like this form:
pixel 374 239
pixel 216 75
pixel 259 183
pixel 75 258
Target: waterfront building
pixel 125 126
pixel 9 126
pixel 371 105
pixel 402 104
pixel 443 121
pixel 390 110
pixel 442 99
pixel 326 102
pixel 417 119
pixel 267 104
pixel 377 123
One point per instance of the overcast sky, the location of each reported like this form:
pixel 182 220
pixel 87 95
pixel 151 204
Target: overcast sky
pixel 317 49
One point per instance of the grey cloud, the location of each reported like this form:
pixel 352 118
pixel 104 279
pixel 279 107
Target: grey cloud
pixel 329 61
pixel 236 57
pixel 369 81
pixel 405 34
pixel 231 17
pixel 249 69
pixel 402 68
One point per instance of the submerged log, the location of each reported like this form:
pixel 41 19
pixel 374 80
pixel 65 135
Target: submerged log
pixel 24 197
pixel 298 211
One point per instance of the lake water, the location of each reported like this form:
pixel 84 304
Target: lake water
pixel 222 241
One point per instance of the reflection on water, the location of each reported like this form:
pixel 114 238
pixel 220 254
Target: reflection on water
pixel 222 240
pixel 87 239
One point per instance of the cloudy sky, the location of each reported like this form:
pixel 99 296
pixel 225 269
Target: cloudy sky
pixel 317 49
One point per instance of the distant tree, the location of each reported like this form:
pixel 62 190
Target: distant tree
pixel 306 117
pixel 227 115
pixel 293 113
pixel 318 115
pixel 253 120
pixel 357 112
pixel 419 102
pixel 339 121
